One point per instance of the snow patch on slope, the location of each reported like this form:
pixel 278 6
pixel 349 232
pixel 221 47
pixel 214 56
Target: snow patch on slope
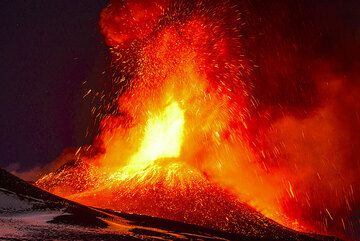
pixel 11 202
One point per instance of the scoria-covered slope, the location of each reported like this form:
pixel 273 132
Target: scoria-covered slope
pixel 179 193
pixel 29 213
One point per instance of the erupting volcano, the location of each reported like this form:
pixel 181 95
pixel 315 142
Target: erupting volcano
pixel 186 141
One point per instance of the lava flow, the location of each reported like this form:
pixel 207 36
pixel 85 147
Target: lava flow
pixel 181 145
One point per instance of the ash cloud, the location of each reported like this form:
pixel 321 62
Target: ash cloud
pixel 307 83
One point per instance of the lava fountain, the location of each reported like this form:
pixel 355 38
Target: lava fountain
pixel 181 145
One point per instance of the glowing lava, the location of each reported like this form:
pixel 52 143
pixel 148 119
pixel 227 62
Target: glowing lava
pixel 181 148
pixel 186 142
pixel 163 135
pixel 162 139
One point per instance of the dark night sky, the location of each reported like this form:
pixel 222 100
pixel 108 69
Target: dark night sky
pixel 48 48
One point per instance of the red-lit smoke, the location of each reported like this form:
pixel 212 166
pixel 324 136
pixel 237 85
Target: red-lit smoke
pixel 277 128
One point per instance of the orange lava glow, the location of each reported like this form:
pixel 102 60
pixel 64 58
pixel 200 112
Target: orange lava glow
pixel 182 145
pixel 184 117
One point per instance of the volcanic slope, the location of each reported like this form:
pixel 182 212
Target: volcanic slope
pixel 29 213
pixel 182 195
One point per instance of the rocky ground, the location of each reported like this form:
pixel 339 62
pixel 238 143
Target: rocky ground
pixel 29 213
